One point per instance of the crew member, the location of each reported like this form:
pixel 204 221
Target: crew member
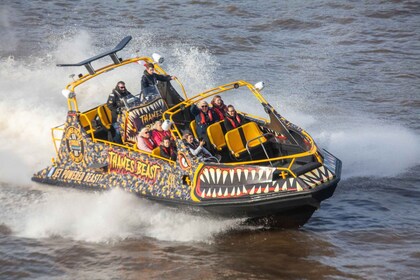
pixel 116 100
pixel 149 81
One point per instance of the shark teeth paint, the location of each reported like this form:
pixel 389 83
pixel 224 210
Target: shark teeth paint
pixel 226 182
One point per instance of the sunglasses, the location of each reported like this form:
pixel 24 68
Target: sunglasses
pixel 204 106
pixel 121 87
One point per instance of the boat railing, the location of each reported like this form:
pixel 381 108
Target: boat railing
pixel 57 135
pixel 260 139
pixel 290 159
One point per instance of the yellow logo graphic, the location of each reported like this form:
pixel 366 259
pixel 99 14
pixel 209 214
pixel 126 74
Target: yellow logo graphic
pixel 74 143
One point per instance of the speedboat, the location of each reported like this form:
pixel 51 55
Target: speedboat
pixel 270 172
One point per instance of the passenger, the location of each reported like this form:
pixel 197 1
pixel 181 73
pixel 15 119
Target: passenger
pixel 116 101
pixel 149 81
pixel 197 148
pixel 167 150
pixel 233 119
pixel 158 133
pixel 204 116
pixel 219 106
pixel 144 142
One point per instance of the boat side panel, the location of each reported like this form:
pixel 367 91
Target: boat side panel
pixel 83 162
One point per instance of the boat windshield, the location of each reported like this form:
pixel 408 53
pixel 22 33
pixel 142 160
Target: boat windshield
pixel 244 101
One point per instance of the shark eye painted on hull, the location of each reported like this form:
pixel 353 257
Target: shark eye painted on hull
pixel 184 163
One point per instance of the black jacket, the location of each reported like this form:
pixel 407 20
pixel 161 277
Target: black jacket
pixel 148 80
pixel 169 153
pixel 115 101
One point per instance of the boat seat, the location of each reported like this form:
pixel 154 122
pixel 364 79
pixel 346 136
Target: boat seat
pixel 236 139
pixel 216 135
pixel 156 151
pixel 193 126
pixel 105 116
pixel 86 120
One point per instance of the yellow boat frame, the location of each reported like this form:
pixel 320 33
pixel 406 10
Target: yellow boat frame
pixel 73 106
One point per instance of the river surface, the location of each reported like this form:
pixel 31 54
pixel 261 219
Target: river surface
pixel 346 71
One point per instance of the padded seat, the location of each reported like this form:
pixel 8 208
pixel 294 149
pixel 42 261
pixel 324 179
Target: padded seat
pixel 237 138
pixel 86 119
pixel 193 127
pixel 216 135
pixel 105 116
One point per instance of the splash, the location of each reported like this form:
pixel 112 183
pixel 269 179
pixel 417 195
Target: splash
pixel 378 151
pixel 110 217
pixel 30 93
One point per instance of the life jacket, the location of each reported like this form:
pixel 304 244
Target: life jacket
pixel 220 110
pixel 234 124
pixel 203 116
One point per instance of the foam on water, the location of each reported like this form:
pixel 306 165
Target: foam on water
pixel 32 101
pixel 108 217
pixel 372 150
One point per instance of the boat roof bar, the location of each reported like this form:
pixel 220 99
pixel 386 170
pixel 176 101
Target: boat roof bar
pixel 112 53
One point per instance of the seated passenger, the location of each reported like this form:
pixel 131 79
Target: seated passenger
pixel 197 148
pixel 204 116
pixel 149 81
pixel 144 142
pixel 219 106
pixel 158 133
pixel 167 150
pixel 232 119
pixel 116 101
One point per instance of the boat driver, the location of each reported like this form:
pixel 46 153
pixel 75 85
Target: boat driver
pixel 149 81
pixel 117 99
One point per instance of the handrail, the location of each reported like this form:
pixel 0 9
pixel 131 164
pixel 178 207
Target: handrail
pixel 259 140
pixel 182 87
pixel 55 139
pixel 72 86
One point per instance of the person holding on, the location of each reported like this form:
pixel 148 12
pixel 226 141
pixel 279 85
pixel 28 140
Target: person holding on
pixel 233 119
pixel 197 148
pixel 116 100
pixel 167 150
pixel 204 116
pixel 144 141
pixel 219 106
pixel 149 81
